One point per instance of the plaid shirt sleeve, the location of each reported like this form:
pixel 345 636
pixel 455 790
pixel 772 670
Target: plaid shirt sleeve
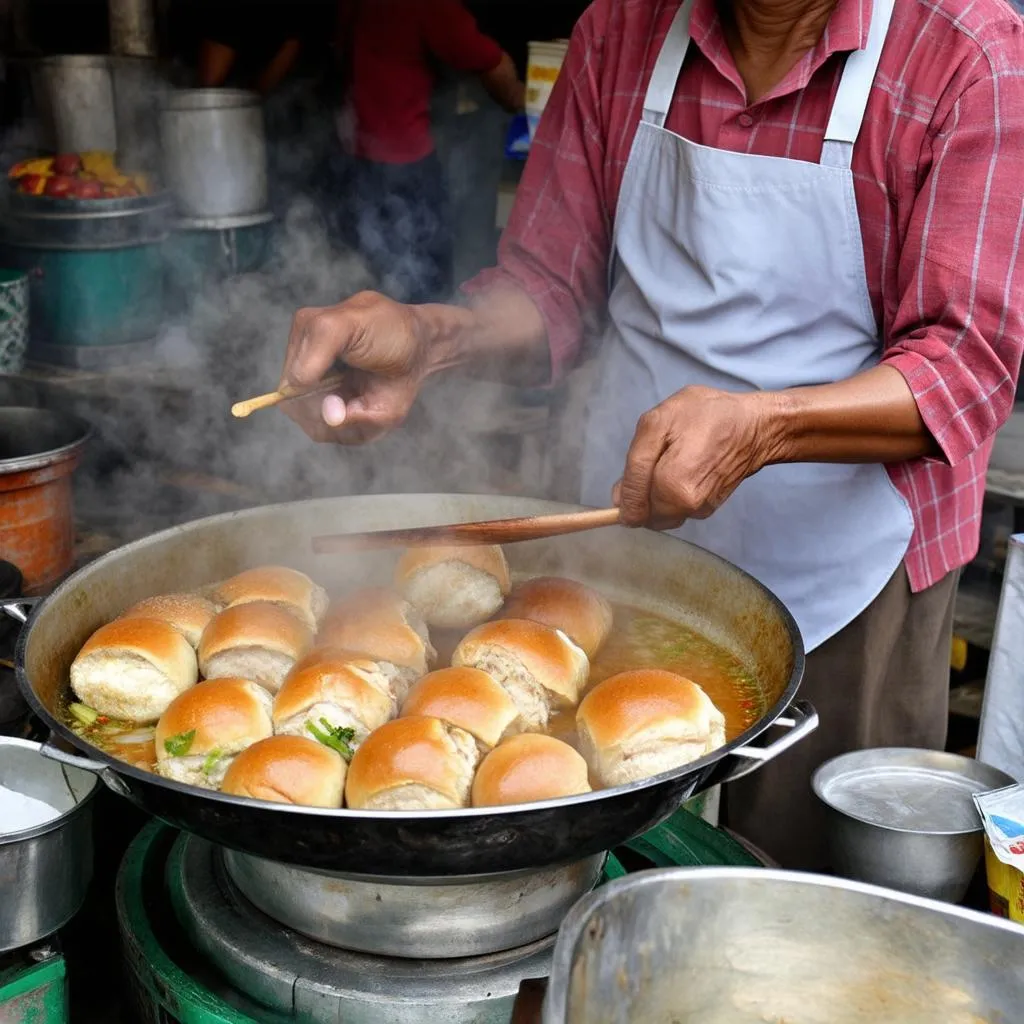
pixel 558 238
pixel 957 332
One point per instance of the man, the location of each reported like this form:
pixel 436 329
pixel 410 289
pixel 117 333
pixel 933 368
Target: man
pixel 804 245
pixel 393 186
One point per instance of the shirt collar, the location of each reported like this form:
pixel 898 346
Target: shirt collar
pixel 847 30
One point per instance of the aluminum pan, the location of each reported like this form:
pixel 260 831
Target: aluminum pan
pixel 641 568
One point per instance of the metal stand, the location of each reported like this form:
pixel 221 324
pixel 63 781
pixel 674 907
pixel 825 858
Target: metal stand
pixel 1001 734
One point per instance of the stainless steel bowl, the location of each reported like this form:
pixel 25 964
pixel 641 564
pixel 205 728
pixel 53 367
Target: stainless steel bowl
pixel 905 818
pixel 490 914
pixel 747 945
pixel 44 871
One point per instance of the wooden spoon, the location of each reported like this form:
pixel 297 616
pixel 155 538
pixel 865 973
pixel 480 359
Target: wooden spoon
pixel 495 531
pixel 240 410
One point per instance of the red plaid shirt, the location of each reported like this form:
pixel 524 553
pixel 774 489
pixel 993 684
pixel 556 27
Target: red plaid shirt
pixel 939 177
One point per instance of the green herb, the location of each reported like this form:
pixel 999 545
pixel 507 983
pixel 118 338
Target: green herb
pixel 334 736
pixel 211 761
pixel 84 714
pixel 180 745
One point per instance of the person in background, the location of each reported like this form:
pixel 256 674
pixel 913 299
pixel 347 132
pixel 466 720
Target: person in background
pixel 395 207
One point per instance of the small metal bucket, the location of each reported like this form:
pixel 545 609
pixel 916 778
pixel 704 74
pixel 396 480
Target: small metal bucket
pixel 44 871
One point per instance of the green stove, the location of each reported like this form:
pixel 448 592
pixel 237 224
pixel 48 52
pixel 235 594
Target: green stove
pixel 198 952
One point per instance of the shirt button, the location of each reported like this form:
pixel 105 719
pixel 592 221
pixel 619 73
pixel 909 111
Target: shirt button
pixel 745 120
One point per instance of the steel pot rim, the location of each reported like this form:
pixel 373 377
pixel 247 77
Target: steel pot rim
pixel 27 463
pixel 62 819
pixel 189 101
pixel 824 773
pixel 108 763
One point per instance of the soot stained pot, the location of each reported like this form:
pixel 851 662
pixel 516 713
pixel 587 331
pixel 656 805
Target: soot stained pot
pixel 638 568
pixel 39 450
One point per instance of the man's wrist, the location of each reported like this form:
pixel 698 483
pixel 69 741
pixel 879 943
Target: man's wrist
pixel 777 425
pixel 446 333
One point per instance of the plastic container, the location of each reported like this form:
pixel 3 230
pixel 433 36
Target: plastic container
pixel 13 320
pixel 545 64
pixel 1003 815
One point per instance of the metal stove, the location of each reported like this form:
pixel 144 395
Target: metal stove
pixel 200 952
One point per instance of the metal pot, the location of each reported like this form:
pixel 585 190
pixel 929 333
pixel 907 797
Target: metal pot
pixel 634 567
pixel 39 450
pixel 44 871
pixel 429 922
pixel 75 95
pixel 905 818
pixel 215 157
pixel 732 945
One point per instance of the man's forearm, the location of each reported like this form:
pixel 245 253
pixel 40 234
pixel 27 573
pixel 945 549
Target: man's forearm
pixel 872 417
pixel 499 333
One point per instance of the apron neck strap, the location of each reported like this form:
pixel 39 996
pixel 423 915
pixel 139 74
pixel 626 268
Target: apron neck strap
pixel 662 87
pixel 851 98
pixel 854 88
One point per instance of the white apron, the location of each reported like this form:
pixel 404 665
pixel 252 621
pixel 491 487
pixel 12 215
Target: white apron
pixel 745 272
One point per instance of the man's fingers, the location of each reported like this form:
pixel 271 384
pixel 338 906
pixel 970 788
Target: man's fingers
pixel 318 338
pixel 649 442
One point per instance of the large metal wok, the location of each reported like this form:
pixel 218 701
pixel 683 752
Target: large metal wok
pixel 640 568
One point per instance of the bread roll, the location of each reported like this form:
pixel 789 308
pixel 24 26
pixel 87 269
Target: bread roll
pixel 278 585
pixel 370 670
pixel 580 612
pixel 257 641
pixel 638 724
pixel 288 770
pixel 132 669
pixel 203 730
pixel 385 628
pixel 541 669
pixel 330 695
pixel 189 614
pixel 454 587
pixel 467 698
pixel 527 768
pixel 412 764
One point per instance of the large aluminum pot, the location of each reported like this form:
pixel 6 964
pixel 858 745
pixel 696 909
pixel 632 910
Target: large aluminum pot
pixel 215 157
pixel 44 871
pixel 635 567
pixel 75 95
pixel 739 945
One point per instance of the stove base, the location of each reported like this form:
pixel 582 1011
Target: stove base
pixel 33 987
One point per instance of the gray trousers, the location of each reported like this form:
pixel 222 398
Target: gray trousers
pixel 883 681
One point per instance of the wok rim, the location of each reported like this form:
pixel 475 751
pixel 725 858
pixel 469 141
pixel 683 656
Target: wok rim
pixel 121 768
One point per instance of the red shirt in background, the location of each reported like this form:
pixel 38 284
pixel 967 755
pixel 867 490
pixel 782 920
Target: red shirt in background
pixel 392 46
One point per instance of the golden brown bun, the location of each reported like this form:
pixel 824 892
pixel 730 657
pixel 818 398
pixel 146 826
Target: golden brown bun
pixel 189 614
pixel 258 641
pixel 465 697
pixel 224 714
pixel 132 669
pixel 354 701
pixel 288 770
pixel 380 625
pixel 412 764
pixel 580 612
pixel 276 585
pixel 541 669
pixel 638 724
pixel 527 768
pixel 454 587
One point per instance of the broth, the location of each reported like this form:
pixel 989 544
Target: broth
pixel 639 639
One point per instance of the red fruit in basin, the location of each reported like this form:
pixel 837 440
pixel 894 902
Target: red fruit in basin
pixel 60 186
pixel 88 190
pixel 67 164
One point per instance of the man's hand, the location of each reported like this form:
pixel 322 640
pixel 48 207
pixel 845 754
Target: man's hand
pixel 382 348
pixel 689 454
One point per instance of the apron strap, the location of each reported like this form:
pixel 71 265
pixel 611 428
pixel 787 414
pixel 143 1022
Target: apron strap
pixel 854 88
pixel 662 87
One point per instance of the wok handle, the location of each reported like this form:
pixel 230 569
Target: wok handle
pixel 18 608
pixel 111 779
pixel 799 720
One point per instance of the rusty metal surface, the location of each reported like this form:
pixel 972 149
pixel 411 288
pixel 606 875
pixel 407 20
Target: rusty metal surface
pixel 639 568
